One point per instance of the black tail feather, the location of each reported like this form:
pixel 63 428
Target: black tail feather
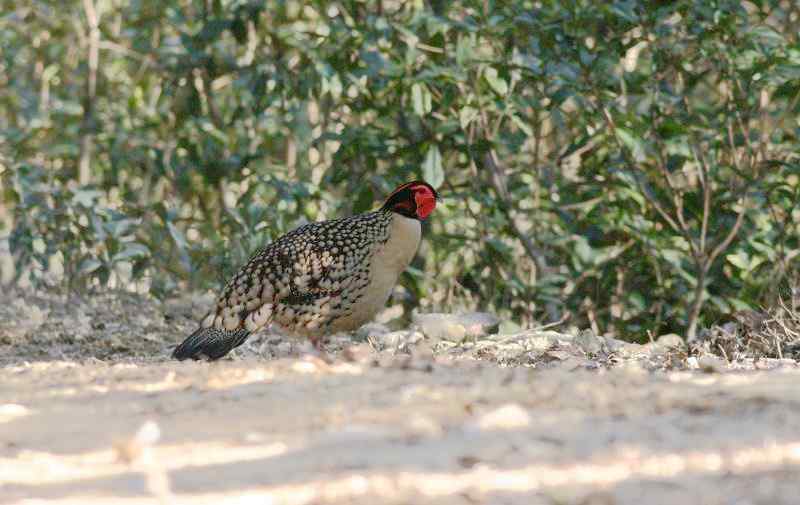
pixel 210 343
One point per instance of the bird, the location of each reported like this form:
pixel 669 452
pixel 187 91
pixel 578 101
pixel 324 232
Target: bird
pixel 321 278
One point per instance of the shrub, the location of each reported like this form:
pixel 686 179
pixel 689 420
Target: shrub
pixel 631 165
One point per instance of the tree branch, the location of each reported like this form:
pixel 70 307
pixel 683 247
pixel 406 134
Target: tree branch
pixel 88 121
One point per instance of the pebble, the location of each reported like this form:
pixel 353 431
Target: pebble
pixel 394 340
pixel 456 326
pixel 358 353
pixel 712 364
pixel 671 340
pixel 371 330
pixel 10 411
pixel 23 319
pixel 135 447
pixel 389 314
pixel 423 426
pixel 508 417
pixel 707 363
pixel 630 349
pixel 589 342
pixel 541 340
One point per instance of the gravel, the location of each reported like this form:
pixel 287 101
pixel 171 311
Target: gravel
pixel 92 410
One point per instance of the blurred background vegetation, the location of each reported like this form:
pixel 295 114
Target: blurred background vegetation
pixel 632 165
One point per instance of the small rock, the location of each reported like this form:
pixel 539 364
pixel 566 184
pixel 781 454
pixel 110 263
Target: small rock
pixel 283 349
pixel 538 341
pixel 371 330
pixel 577 362
pixel 508 327
pixel 395 339
pixel 148 434
pixel 457 326
pixel 632 367
pixel 765 364
pixel 712 364
pixel 558 354
pixel 442 329
pixel 10 411
pixel 308 366
pixel 358 353
pixel 663 345
pixel 671 340
pixel 630 350
pixel 541 343
pixel 692 363
pixel 389 314
pixel 508 417
pixel 23 319
pixel 589 342
pixel 598 498
pixel 750 319
pixel 612 344
pixel 423 426
pixel 423 351
pixel 468 461
pixel 135 447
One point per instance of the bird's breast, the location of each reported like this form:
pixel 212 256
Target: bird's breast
pixel 387 262
pixel 398 251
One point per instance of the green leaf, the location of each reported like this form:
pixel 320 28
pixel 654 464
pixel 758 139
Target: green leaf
pixel 632 142
pixel 624 10
pixel 766 36
pixel 525 127
pixel 497 83
pixel 432 169
pixel 670 128
pixel 86 197
pixel 463 50
pixel 89 265
pixel 120 227
pixel 584 251
pixel 466 115
pixel 177 236
pixel 739 260
pixel 421 98
pixel 500 247
pixel 132 250
pixel 213 29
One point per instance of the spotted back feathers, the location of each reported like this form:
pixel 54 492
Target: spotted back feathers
pixel 304 280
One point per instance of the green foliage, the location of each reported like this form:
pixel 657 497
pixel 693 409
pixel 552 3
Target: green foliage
pixel 631 164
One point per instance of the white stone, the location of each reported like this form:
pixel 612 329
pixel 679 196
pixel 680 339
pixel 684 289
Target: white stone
pixel 588 342
pixel 671 340
pixel 456 326
pixel 508 417
pixel 712 364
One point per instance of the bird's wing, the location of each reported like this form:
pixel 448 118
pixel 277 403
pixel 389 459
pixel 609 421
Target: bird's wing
pixel 315 261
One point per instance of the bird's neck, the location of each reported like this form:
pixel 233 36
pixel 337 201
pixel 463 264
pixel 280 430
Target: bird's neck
pixel 404 238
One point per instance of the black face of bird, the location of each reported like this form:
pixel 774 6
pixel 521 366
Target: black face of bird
pixel 415 200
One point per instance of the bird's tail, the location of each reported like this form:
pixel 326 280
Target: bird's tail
pixel 210 343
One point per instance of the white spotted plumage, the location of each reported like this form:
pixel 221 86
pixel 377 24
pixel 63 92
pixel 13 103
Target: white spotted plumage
pixel 328 276
pixel 318 279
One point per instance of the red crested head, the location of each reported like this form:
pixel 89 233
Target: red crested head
pixel 415 200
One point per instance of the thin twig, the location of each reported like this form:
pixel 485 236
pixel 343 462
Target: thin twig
pixel 87 123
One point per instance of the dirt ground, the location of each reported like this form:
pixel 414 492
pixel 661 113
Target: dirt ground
pixel 92 411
